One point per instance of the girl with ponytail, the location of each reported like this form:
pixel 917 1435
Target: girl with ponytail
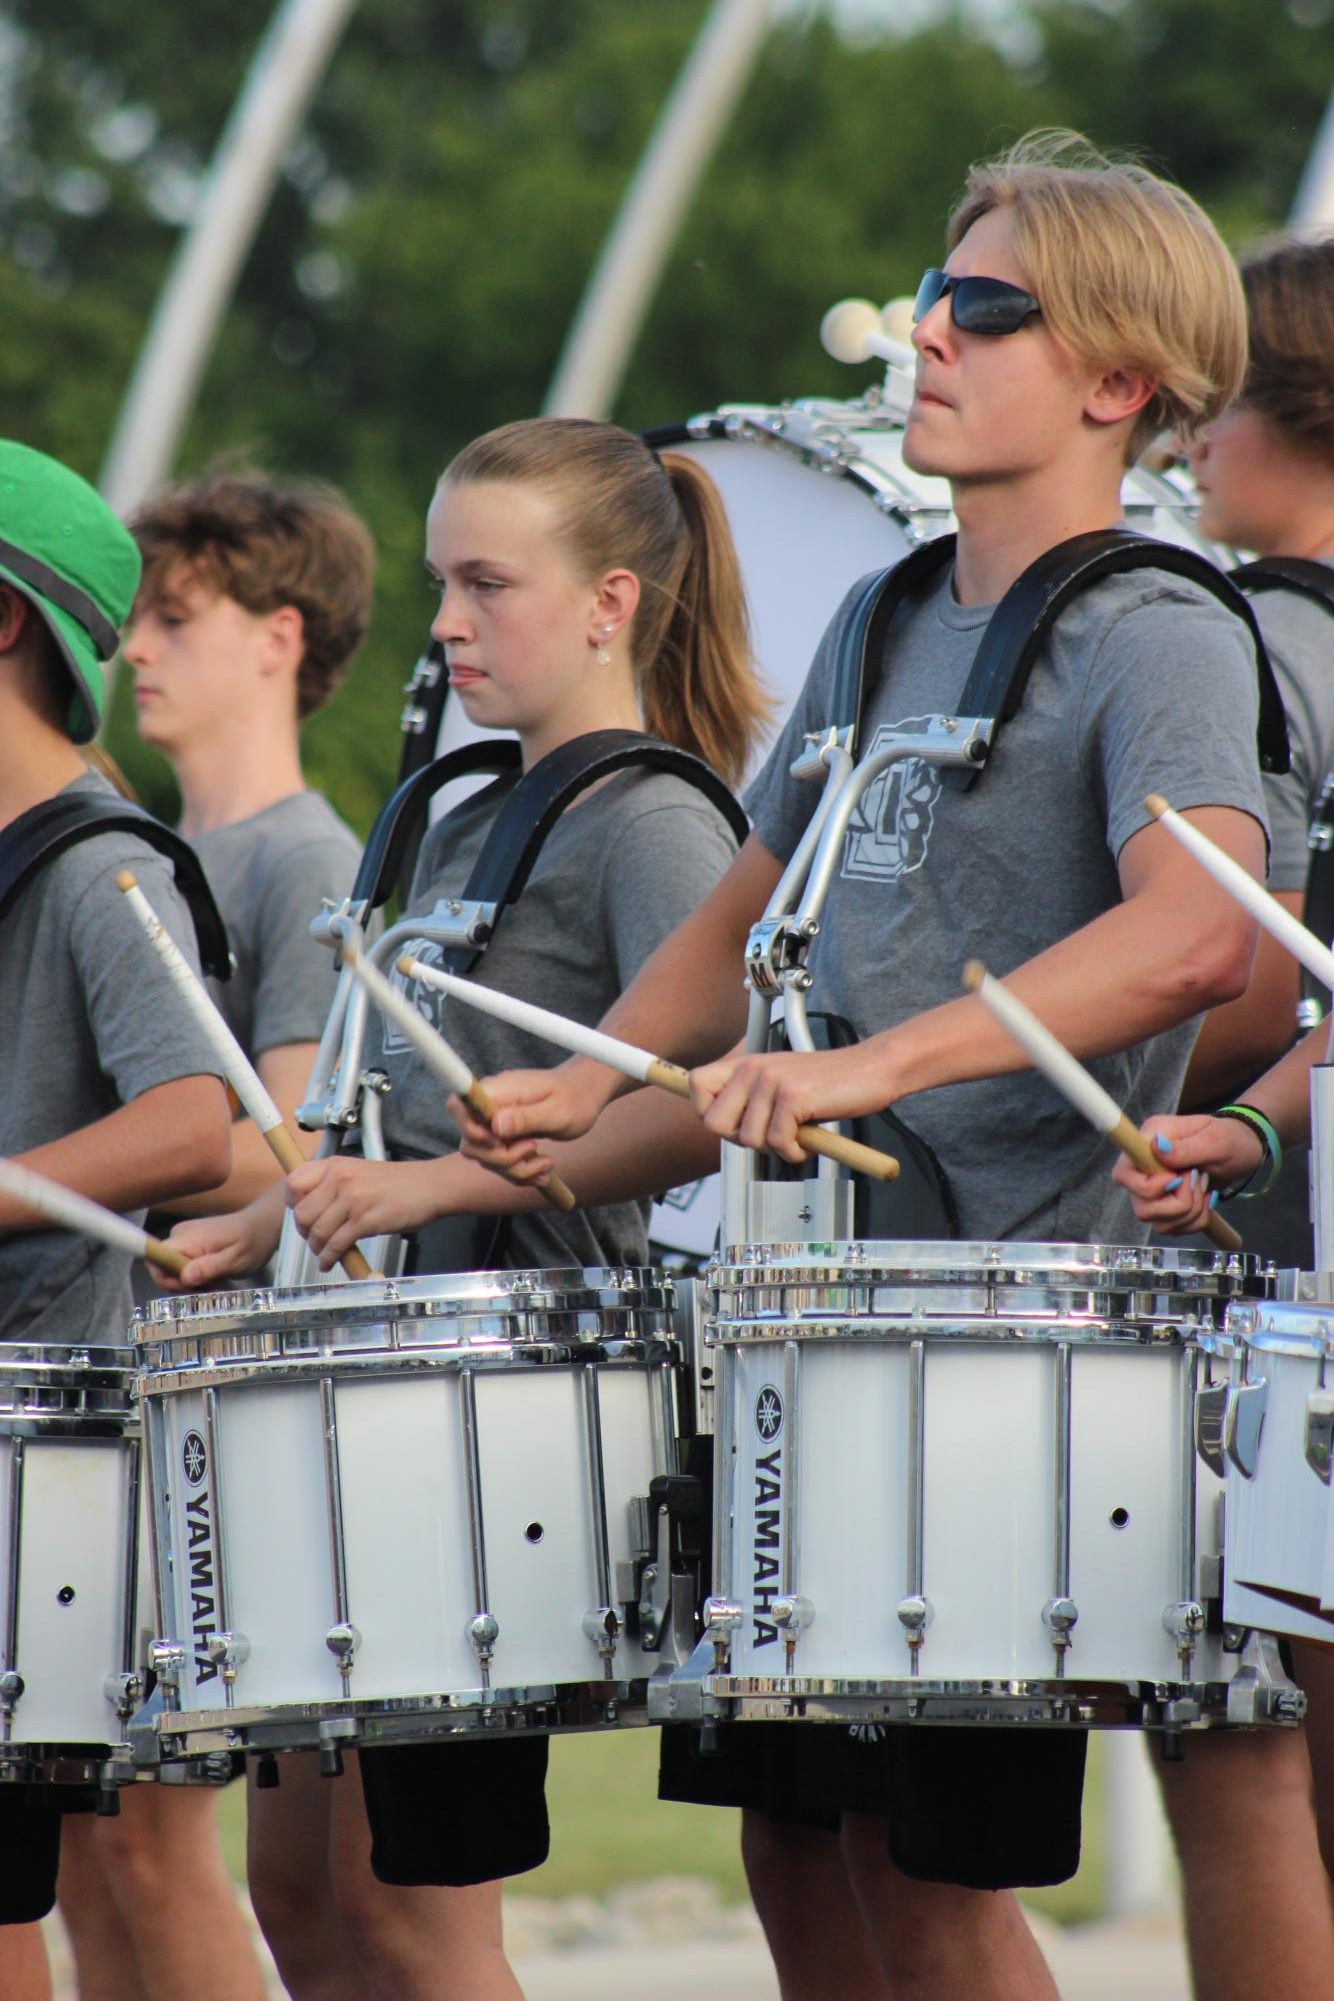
pixel 584 584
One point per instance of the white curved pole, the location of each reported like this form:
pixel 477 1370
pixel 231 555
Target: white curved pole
pixel 630 263
pixel 282 79
pixel 1313 203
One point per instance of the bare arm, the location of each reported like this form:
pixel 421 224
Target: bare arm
pixel 172 1136
pixel 1244 1036
pixel 1175 945
pixel 687 1003
pixel 283 1072
pixel 638 1148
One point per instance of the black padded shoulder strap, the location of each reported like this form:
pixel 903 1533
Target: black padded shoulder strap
pixel 35 839
pixel 1291 573
pixel 388 854
pixel 1022 620
pixel 533 807
pixel 862 650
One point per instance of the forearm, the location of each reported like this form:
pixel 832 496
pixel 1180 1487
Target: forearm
pixel 638 1149
pixel 173 1137
pixel 1283 1094
pixel 1117 981
pixel 254 1169
pixel 1244 1037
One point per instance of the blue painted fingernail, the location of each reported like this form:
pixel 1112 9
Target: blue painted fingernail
pixel 1162 1142
pixel 1172 1184
pixel 1195 1177
pixel 1213 1200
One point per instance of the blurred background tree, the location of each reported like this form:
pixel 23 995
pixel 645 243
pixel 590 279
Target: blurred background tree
pixel 416 273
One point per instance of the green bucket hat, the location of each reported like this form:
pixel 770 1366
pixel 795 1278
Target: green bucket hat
pixel 65 551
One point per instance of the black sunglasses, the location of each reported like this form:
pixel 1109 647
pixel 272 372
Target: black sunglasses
pixel 977 305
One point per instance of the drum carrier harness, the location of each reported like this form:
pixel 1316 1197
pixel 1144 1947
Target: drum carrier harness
pixel 32 842
pixel 343 1093
pixel 758 1204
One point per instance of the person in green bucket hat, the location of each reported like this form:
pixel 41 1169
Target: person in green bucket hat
pixel 64 550
pixel 109 1089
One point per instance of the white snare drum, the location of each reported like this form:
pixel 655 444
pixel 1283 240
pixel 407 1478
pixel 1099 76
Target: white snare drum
pixel 69 1488
pixel 387 1509
pixel 1266 1417
pixel 962 1484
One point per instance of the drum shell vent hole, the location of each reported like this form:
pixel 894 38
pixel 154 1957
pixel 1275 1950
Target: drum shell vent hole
pixel 1119 1518
pixel 65 1595
pixel 534 1532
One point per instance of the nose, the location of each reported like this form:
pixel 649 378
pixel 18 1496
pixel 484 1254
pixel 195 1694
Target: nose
pixel 135 644
pixel 451 620
pixel 933 334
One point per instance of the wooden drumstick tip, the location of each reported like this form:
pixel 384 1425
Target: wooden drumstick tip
pixel 1157 805
pixel 126 879
pixel 404 964
pixel 973 975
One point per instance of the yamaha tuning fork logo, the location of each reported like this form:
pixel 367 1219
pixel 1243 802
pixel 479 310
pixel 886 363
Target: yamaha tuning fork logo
pixel 193 1457
pixel 768 1413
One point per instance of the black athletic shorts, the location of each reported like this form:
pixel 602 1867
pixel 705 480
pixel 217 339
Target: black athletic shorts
pixel 30 1849
pixel 991 1808
pixel 467 1810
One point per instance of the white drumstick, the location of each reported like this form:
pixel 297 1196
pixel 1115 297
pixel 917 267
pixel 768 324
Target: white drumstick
pixel 72 1211
pixel 440 1055
pixel 629 1059
pixel 1280 923
pixel 236 1066
pixel 1070 1078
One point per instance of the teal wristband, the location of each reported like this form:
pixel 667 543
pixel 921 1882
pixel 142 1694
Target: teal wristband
pixel 1268 1139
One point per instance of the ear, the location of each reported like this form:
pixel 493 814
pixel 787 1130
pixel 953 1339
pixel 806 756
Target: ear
pixel 15 612
pixel 615 602
pixel 1118 395
pixel 284 641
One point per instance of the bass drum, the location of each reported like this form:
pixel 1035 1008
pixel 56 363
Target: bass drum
pixel 818 495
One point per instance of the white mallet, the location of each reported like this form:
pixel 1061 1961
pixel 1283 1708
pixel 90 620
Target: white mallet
pixel 71 1211
pixel 1084 1092
pixel 236 1066
pixel 440 1055
pixel 854 330
pixel 630 1060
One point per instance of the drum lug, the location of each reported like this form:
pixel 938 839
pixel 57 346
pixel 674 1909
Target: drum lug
pixel 342 1641
pixel 11 1688
pixel 1243 1419
pixel 124 1692
pixel 483 1632
pixel 722 1616
pixel 228 1651
pixel 167 1660
pixel 1184 1622
pixel 1210 1406
pixel 915 1614
pixel 1320 1433
pixel 603 1627
pixel 1059 1616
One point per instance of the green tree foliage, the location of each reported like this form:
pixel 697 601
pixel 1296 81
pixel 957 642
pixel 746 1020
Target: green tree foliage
pixel 418 267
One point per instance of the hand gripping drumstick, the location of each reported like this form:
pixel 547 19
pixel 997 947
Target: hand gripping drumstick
pixel 630 1060
pixel 1070 1077
pixel 440 1055
pixel 76 1212
pixel 1289 930
pixel 239 1071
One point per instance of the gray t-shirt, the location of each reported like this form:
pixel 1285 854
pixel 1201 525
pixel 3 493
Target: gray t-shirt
pixel 269 874
pixel 618 872
pixel 89 1021
pixel 1299 634
pixel 1146 684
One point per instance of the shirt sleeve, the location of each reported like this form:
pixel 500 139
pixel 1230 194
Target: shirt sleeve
pixel 1171 706
pixel 664 862
pixel 294 974
pixel 1300 639
pixel 141 1026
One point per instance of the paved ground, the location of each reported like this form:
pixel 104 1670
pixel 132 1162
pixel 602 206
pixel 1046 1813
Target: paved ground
pixel 1103 1962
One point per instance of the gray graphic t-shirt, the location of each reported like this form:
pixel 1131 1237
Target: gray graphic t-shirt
pixel 269 874
pixel 1146 684
pixel 1299 634
pixel 89 1021
pixel 618 872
